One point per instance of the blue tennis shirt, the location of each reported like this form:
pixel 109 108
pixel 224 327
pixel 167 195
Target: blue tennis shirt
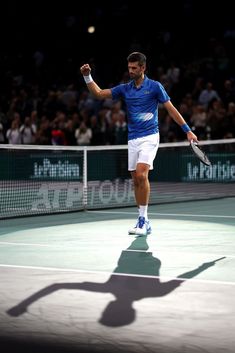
pixel 142 105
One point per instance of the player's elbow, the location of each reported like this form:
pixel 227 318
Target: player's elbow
pixel 101 95
pixel 97 94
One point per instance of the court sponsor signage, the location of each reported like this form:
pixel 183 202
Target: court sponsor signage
pixel 55 169
pixel 218 171
pixel 176 167
pixel 71 195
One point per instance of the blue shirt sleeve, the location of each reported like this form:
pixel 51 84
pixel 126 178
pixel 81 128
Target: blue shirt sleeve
pixel 118 91
pixel 162 95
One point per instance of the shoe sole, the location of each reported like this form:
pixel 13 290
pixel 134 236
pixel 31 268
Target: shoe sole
pixel 131 232
pixel 134 233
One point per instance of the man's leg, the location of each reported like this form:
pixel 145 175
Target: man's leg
pixel 141 154
pixel 142 193
pixel 141 184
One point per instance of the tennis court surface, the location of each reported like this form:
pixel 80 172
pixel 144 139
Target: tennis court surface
pixel 77 282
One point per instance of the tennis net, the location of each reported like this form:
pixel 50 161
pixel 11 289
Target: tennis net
pixel 36 180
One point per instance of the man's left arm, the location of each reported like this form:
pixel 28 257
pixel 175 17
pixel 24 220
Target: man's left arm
pixel 177 117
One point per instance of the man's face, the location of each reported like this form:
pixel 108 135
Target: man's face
pixel 135 70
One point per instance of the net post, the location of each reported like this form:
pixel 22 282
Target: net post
pixel 85 178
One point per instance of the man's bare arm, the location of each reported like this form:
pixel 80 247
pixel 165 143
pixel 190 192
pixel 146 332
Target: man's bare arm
pixel 92 86
pixel 177 117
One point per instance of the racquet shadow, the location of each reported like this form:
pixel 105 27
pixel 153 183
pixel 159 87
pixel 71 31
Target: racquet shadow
pixel 126 283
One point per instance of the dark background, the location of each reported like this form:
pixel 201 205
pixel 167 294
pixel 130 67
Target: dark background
pixel 59 30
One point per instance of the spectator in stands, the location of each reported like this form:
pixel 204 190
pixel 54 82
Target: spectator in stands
pixel 216 114
pixel 28 132
pixel 83 135
pixel 43 134
pixel 98 132
pixel 69 130
pixel 228 92
pixel 57 133
pixel 13 134
pixel 207 95
pixel 199 121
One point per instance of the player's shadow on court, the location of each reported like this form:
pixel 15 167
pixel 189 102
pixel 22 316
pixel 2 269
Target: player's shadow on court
pixel 136 277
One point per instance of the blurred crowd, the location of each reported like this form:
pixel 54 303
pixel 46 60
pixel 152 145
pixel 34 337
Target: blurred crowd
pixel 38 108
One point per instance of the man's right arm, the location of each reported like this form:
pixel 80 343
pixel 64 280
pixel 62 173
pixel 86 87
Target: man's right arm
pixel 92 86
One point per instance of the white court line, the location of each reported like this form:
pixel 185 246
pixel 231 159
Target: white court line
pixel 165 214
pixel 166 278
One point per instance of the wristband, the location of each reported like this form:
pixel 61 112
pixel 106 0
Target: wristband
pixel 88 78
pixel 185 128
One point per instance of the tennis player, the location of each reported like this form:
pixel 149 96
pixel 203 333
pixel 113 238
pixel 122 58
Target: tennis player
pixel 142 96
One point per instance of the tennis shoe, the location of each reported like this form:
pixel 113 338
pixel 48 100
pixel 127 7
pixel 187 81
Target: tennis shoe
pixel 132 230
pixel 142 227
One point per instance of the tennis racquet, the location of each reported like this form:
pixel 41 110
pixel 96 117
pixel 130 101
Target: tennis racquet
pixel 199 152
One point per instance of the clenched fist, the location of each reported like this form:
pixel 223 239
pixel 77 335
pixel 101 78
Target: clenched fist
pixel 85 70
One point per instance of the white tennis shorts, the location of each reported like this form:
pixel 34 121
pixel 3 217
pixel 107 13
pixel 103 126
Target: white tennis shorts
pixel 142 150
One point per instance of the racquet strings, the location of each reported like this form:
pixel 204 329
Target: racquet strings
pixel 201 154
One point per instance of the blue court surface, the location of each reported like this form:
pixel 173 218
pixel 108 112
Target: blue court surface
pixel 79 283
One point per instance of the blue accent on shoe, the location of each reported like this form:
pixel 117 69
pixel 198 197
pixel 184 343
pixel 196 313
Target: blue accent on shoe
pixel 141 222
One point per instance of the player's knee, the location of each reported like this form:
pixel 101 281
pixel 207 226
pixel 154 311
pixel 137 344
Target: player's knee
pixel 141 177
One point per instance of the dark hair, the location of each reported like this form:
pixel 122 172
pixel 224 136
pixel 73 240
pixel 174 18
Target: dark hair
pixel 137 56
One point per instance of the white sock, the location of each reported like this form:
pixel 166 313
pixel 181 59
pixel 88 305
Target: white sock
pixel 143 211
